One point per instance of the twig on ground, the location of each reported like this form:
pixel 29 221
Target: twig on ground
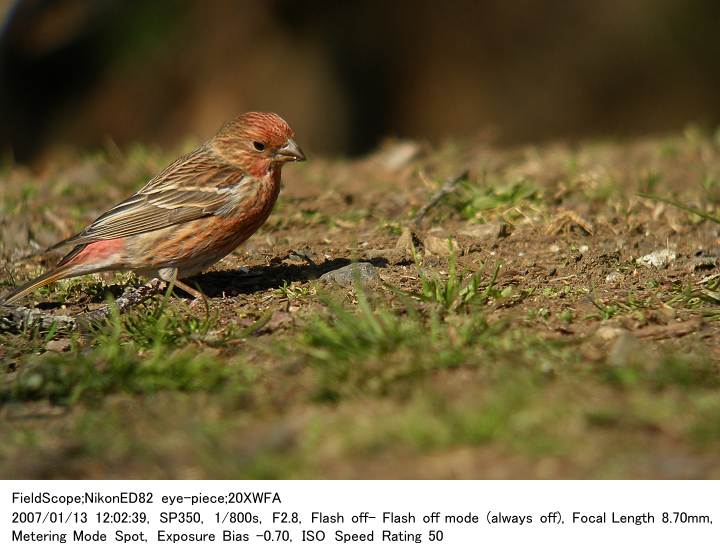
pixel 447 188
pixel 17 319
pixel 303 256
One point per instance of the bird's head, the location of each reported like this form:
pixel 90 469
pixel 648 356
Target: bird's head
pixel 258 142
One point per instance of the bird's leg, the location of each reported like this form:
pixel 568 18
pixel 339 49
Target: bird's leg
pixel 199 296
pixel 188 289
pixel 170 276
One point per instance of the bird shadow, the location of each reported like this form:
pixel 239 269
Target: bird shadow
pixel 229 283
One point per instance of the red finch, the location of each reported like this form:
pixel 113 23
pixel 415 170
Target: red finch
pixel 192 214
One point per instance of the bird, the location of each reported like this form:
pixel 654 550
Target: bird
pixel 192 214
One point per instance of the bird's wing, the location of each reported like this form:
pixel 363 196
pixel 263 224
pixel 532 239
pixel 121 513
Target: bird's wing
pixel 195 186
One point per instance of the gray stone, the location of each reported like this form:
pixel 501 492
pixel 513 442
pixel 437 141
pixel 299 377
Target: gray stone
pixel 365 273
pixel 657 259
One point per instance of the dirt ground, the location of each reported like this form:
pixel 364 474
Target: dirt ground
pixel 540 319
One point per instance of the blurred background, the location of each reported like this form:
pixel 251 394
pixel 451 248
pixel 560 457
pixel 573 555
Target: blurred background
pixel 346 75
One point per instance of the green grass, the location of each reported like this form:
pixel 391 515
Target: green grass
pixel 702 299
pixel 118 368
pixel 410 381
pixel 371 350
pixel 476 200
pixel 147 351
pixel 459 290
pixel 296 291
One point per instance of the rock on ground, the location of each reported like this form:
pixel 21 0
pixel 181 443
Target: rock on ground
pixel 657 259
pixel 365 273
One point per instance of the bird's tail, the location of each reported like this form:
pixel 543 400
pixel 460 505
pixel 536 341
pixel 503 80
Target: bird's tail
pixel 47 278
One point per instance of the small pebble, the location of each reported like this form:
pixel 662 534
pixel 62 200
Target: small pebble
pixel 60 345
pixel 482 232
pixel 657 259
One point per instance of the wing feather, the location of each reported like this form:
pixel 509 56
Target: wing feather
pixel 194 186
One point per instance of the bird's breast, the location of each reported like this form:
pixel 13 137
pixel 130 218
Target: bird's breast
pixel 254 207
pixel 212 237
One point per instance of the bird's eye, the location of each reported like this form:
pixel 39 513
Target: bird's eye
pixel 260 147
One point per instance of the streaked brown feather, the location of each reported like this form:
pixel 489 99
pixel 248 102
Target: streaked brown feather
pixel 197 185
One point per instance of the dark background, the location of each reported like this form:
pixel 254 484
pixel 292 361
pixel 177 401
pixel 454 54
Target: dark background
pixel 347 74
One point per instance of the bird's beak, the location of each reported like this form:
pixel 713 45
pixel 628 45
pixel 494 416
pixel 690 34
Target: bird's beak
pixel 290 152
